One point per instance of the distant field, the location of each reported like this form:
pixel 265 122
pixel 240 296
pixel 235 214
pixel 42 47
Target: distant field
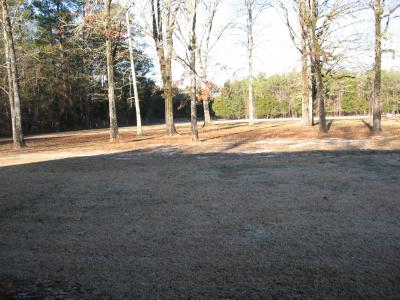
pixel 275 211
pixel 224 136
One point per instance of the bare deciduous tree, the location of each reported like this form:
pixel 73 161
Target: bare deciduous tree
pixel 321 45
pixel 203 52
pixel 300 7
pixel 204 46
pixel 163 26
pixel 252 10
pixel 187 35
pixel 381 12
pixel 139 131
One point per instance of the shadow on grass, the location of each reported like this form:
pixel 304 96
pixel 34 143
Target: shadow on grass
pixel 164 223
pixel 369 126
pixel 329 124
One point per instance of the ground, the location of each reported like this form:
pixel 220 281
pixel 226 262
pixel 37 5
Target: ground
pixel 274 211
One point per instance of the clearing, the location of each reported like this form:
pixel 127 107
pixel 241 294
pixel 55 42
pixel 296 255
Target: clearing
pixel 273 211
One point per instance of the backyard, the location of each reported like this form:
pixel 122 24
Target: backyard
pixel 273 211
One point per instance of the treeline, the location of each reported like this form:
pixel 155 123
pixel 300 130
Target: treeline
pixel 70 64
pixel 281 96
pixel 62 70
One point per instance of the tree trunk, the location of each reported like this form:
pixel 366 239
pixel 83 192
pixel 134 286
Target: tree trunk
pixel 305 103
pixel 135 90
pixel 10 92
pixel 193 108
pixel 168 99
pixel 110 74
pixel 320 99
pixel 251 101
pixel 65 101
pixel 206 103
pixel 313 94
pixel 203 55
pixel 376 106
pixel 316 60
pixel 163 38
pixel 250 45
pixel 207 117
pixel 15 106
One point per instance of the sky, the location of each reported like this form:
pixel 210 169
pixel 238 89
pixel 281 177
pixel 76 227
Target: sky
pixel 274 51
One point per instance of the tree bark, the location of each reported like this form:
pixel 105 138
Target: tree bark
pixel 10 88
pixel 164 52
pixel 250 46
pixel 207 116
pixel 64 99
pixel 193 108
pixel 139 131
pixel 12 71
pixel 203 55
pixel 313 94
pixel 376 105
pixel 11 97
pixel 206 102
pixel 306 103
pixel 110 73
pixel 168 99
pixel 316 61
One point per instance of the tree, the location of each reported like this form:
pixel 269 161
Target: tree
pixel 133 74
pixel 311 49
pixel 192 11
pixel 250 48
pixel 316 60
pixel 253 9
pixel 187 35
pixel 203 52
pixel 163 26
pixel 300 7
pixel 54 24
pixel 323 18
pixel 61 61
pixel 307 103
pixel 12 71
pixel 110 72
pixel 204 46
pixel 381 12
pixel 325 43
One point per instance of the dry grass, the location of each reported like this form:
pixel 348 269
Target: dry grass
pixel 266 136
pixel 154 221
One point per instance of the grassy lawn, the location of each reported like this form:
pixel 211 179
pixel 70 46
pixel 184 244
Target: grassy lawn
pixel 255 220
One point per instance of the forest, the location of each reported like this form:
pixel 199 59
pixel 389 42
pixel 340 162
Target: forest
pixel 279 96
pixel 62 68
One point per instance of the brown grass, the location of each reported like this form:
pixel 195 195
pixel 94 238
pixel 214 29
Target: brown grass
pixel 160 222
pixel 266 136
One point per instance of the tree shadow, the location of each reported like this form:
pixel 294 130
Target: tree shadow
pixel 249 131
pixel 217 127
pixel 369 126
pixel 329 124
